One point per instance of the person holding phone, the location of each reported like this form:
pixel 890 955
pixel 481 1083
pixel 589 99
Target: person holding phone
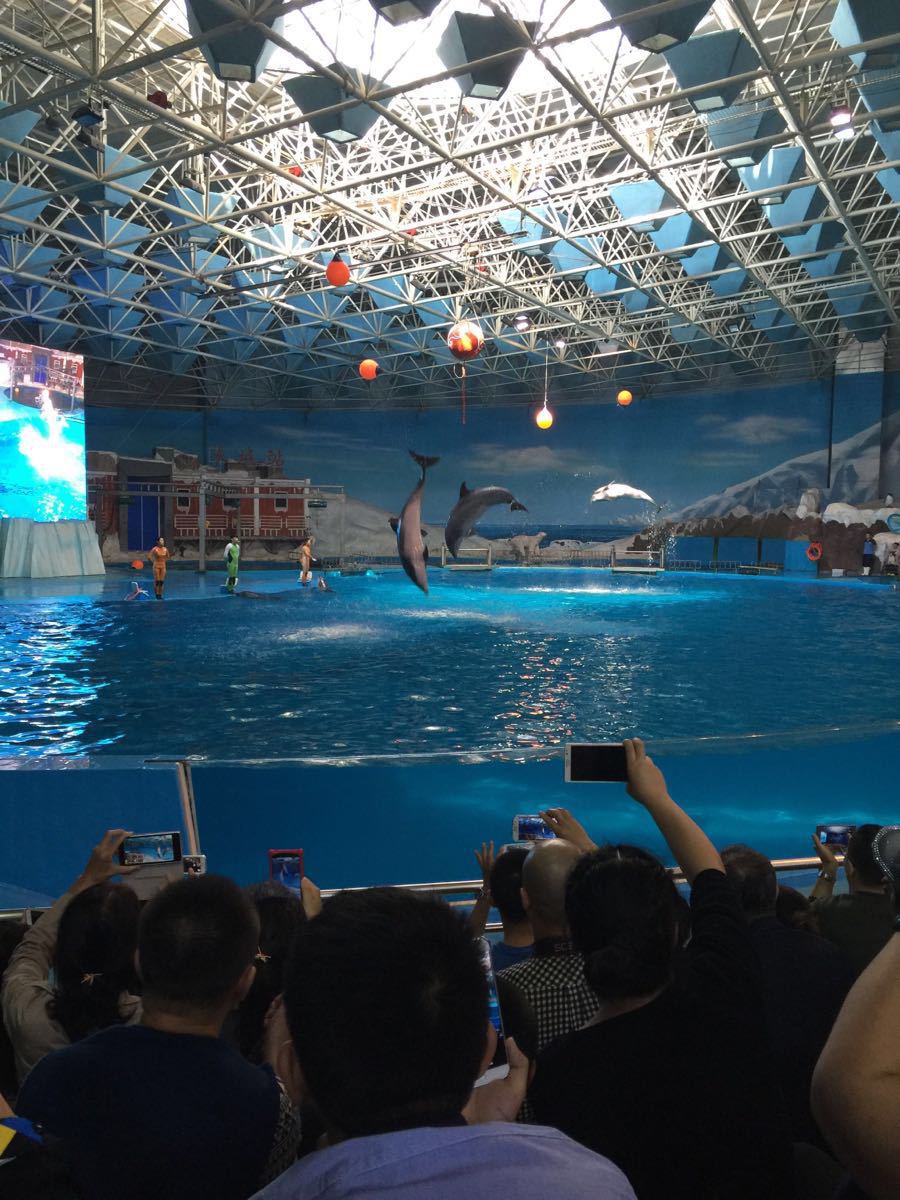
pixel 673 1079
pixel 859 922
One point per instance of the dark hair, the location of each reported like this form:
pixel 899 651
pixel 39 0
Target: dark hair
pixel 386 1000
pixel 859 853
pixel 94 958
pixel 754 878
pixel 196 939
pixel 280 916
pixel 11 933
pixel 622 908
pixel 794 909
pixel 506 884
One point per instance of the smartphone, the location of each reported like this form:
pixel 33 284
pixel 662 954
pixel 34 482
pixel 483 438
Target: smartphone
pixel 531 828
pixel 155 859
pixel 499 1064
pixel 150 849
pixel 286 866
pixel 598 762
pixel 836 836
pixel 194 865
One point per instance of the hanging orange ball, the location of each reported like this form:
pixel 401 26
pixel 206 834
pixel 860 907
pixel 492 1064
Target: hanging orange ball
pixel 465 340
pixel 337 272
pixel 138 565
pixel 624 398
pixel 368 368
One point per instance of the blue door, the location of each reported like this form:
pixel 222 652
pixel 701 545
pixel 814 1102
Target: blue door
pixel 144 513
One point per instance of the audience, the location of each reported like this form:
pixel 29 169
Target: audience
pixel 170 1095
pixel 673 1082
pixel 668 1050
pixel 805 981
pixel 386 1002
pixel 88 937
pixel 859 923
pixel 502 889
pixel 856 1087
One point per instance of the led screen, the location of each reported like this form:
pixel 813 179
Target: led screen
pixel 42 461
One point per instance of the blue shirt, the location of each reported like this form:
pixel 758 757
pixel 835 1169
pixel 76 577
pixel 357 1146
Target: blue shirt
pixel 477 1162
pixel 503 956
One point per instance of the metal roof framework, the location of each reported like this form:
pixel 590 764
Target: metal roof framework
pixel 185 256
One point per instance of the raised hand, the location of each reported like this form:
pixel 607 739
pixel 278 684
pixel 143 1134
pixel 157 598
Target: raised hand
pixel 564 825
pixel 646 782
pixel 100 866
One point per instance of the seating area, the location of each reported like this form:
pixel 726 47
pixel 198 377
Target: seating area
pixel 273 1041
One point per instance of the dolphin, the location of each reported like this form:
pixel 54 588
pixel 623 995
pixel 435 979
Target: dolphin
pixel 408 528
pixel 613 491
pixel 469 508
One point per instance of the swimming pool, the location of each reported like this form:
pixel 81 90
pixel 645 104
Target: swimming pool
pixel 388 732
pixel 514 658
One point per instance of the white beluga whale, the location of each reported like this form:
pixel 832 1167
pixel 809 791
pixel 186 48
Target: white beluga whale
pixel 615 491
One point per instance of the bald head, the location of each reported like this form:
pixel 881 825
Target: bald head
pixel 544 877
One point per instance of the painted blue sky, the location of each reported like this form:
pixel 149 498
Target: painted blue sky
pixel 678 449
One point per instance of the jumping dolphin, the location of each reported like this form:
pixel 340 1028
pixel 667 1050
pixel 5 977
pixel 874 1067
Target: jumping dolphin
pixel 470 506
pixel 413 551
pixel 613 491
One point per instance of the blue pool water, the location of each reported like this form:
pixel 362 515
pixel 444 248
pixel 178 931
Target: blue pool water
pixel 404 729
pixel 512 659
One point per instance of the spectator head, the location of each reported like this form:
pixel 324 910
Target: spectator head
pixel 506 885
pixel 386 1001
pixel 792 908
pixel 94 958
pixel 860 865
pixel 280 916
pixel 754 877
pixel 544 877
pixel 622 908
pixel 197 942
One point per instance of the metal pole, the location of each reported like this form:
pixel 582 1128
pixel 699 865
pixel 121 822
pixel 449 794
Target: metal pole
pixel 201 565
pixel 341 527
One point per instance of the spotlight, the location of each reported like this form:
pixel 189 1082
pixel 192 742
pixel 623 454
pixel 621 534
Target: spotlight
pixel 87 114
pixel 844 133
pixel 560 343
pixel 840 115
pixel 522 322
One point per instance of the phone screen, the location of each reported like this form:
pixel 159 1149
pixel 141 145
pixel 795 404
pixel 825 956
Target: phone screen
pixel 531 828
pixel 599 762
pixel 835 835
pixel 144 849
pixel 499 1065
pixel 286 866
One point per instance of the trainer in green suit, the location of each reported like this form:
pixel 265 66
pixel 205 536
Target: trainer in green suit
pixel 234 556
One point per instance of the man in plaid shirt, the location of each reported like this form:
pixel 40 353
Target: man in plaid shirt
pixel 553 979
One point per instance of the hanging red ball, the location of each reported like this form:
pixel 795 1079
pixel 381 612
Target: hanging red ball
pixel 465 340
pixel 624 398
pixel 337 272
pixel 368 369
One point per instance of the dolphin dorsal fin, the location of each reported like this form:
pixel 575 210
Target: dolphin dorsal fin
pixel 463 490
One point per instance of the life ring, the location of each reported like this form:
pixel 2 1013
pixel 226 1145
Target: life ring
pixel 814 551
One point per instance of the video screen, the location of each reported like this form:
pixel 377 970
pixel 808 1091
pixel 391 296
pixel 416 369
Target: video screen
pixel 287 869
pixel 144 848
pixel 42 457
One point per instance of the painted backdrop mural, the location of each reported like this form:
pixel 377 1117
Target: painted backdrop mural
pixel 699 456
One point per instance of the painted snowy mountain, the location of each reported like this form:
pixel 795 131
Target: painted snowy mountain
pixel 854 474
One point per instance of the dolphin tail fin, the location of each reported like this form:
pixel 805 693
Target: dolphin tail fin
pixel 424 460
pixel 394 523
pixel 517 507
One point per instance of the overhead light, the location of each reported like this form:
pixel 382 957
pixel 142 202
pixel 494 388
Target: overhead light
pixel 522 322
pixel 840 115
pixel 470 38
pixel 560 343
pixel 399 12
pixel 87 114
pixel 314 92
pixel 844 133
